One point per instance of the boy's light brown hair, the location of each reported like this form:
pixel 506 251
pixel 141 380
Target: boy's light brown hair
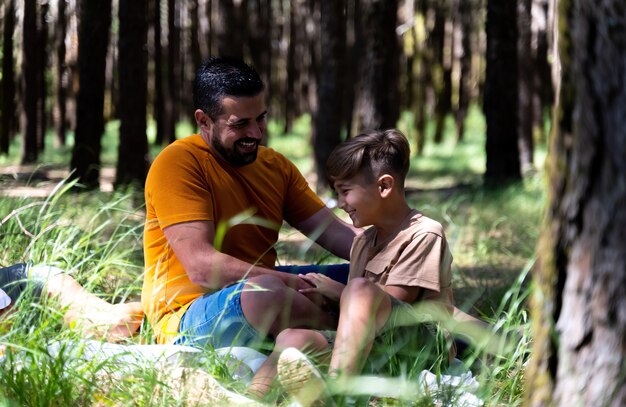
pixel 371 154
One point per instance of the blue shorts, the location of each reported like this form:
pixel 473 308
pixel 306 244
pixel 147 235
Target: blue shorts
pixel 216 319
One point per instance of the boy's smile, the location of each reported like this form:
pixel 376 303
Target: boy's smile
pixel 360 199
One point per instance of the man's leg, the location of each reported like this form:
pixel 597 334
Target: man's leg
pixel 306 340
pixel 243 314
pixel 270 306
pixel 364 309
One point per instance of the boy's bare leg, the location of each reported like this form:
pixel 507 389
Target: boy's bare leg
pixel 306 340
pixel 364 309
pixel 96 316
pixel 275 307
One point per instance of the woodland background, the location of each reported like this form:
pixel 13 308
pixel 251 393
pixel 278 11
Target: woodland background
pixel 542 72
pixel 352 65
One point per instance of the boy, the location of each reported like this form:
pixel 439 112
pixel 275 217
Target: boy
pixel 401 260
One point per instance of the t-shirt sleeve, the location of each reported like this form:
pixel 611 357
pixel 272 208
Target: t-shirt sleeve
pixel 176 188
pixel 421 263
pixel 300 201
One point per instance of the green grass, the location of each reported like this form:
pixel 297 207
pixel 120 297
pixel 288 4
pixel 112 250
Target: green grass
pixel 97 237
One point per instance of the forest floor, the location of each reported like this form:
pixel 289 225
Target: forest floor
pixel 39 181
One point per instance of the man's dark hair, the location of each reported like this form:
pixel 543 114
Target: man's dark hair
pixel 223 76
pixel 371 154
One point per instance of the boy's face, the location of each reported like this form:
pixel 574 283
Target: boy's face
pixel 360 198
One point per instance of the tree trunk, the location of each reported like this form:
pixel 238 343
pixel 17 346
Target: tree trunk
pixel 30 80
pixel 581 280
pixel 290 91
pixel 260 40
pixel 354 44
pixel 61 77
pixel 194 19
pixel 173 43
pixel 466 16
pixel 132 160
pixel 525 71
pixel 378 101
pixel 501 92
pixel 543 90
pixel 230 32
pixel 443 24
pixel 8 77
pixel 327 133
pixel 159 105
pixel 42 38
pixel 93 41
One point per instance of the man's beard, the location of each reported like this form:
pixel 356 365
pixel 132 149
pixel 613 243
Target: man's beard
pixel 232 156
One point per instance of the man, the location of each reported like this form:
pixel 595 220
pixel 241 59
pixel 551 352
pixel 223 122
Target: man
pixel 214 203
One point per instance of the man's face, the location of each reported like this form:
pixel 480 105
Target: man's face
pixel 235 135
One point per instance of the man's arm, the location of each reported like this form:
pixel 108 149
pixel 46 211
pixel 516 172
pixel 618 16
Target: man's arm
pixel 330 232
pixel 206 266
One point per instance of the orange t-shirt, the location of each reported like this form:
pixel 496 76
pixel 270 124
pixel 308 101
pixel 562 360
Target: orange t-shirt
pixel 189 182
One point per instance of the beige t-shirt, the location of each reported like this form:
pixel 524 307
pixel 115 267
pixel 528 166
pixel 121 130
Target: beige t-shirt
pixel 417 254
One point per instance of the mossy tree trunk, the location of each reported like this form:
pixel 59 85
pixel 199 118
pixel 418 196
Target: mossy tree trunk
pixel 579 355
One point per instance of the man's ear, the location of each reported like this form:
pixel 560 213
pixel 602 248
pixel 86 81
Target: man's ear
pixel 202 119
pixel 385 185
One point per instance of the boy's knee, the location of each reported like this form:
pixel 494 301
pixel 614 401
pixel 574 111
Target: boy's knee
pixel 300 339
pixel 361 287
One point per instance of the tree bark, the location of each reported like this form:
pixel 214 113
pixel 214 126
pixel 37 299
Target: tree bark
pixel 581 281
pixel 327 132
pixel 61 75
pixel 466 16
pixel 30 82
pixel 132 161
pixel 93 41
pixel 290 91
pixel 501 93
pixel 173 66
pixel 377 100
pixel 543 89
pixel 230 32
pixel 8 77
pixel 42 89
pixel 525 70
pixel 159 102
pixel 443 24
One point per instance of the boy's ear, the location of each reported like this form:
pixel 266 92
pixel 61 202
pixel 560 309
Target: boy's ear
pixel 385 185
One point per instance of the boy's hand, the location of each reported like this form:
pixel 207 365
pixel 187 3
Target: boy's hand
pixel 323 285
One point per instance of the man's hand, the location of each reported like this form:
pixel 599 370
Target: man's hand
pixel 321 284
